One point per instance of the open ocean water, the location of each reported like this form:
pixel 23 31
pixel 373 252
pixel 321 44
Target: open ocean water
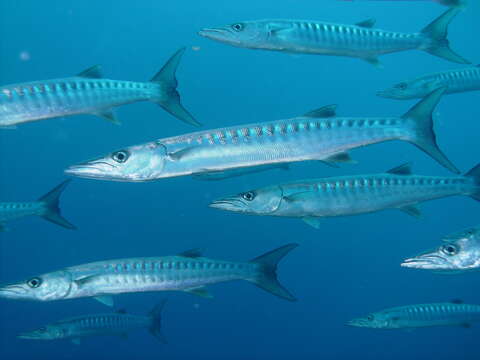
pixel 350 266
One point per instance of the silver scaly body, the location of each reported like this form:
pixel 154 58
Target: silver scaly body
pixel 316 136
pixel 459 253
pixel 422 315
pixel 454 81
pixel 324 38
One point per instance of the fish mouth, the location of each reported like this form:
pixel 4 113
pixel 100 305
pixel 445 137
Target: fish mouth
pixel 28 336
pixel 212 32
pixel 427 261
pixel 229 204
pixel 12 292
pixel 91 170
pixel 357 323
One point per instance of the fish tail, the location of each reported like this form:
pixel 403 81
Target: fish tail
pixel 437 33
pixel 156 324
pixel 169 98
pixel 475 175
pixel 423 135
pixel 267 276
pixel 51 200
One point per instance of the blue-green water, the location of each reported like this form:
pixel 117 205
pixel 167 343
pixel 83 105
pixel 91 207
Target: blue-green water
pixel 347 268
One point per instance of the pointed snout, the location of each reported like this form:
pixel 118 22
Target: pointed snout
pixel 427 262
pixel 228 204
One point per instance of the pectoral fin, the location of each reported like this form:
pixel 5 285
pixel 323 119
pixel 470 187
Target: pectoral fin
pixel 179 154
pixel 300 196
pixel 105 300
pixel 374 61
pixel 312 221
pixel 342 157
pixel 412 210
pixel 200 291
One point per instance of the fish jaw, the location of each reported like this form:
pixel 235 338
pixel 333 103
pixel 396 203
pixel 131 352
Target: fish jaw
pixel 360 322
pixel 429 261
pixel 230 204
pixel 92 170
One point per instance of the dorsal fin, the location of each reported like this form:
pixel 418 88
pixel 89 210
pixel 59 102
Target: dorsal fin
pixel 405 169
pixel 93 73
pixel 323 112
pixel 369 23
pixel 457 301
pixel 192 253
pixel 121 311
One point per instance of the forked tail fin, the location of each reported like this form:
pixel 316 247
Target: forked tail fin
pixel 169 98
pixel 156 324
pixel 437 33
pixel 267 276
pixel 51 201
pixel 475 175
pixel 423 135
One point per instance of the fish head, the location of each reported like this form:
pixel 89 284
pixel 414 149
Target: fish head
pixel 251 34
pixel 133 164
pixel 373 321
pixel 47 287
pixel 411 89
pixel 263 201
pixel 49 332
pixel 459 252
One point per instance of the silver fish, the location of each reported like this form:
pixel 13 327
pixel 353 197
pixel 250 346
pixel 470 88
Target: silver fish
pixel 119 323
pixel 459 253
pixel 454 81
pixel 422 315
pixel 359 41
pixel 187 272
pixel 317 135
pixel 46 207
pixel 89 93
pixel 351 195
pixel 449 3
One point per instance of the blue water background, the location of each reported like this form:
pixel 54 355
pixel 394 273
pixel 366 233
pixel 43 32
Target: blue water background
pixel 347 268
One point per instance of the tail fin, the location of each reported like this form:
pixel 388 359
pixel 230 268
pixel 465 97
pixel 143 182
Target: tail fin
pixel 423 134
pixel 267 276
pixel 170 100
pixel 437 33
pixel 475 175
pixel 156 325
pixel 52 209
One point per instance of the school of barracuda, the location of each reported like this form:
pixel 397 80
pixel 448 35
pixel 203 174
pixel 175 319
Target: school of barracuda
pixel 318 135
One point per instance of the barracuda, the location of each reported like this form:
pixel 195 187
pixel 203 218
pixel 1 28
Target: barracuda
pixel 187 272
pixel 454 81
pixel 358 41
pixel 317 135
pixel 89 93
pixel 423 315
pixel 351 195
pixel 118 323
pixel 459 253
pixel 46 207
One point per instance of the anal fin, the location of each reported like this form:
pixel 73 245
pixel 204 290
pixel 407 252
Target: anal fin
pixel 312 221
pixel 412 210
pixel 200 291
pixel 105 300
pixel 109 116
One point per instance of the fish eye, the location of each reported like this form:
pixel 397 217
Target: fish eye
pixel 249 196
pixel 34 283
pixel 238 27
pixel 42 329
pixel 450 249
pixel 401 86
pixel 120 156
pixel 370 317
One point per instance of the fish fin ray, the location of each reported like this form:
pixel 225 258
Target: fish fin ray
pixel 314 222
pixel 200 291
pixel 411 210
pixel 327 111
pixel 369 23
pixel 94 72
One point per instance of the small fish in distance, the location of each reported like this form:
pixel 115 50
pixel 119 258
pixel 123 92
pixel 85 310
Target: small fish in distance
pixel 361 40
pixel 449 3
pixel 316 136
pixel 188 272
pixel 46 207
pixel 89 93
pixel 311 200
pixel 423 315
pixel 459 253
pixel 119 323
pixel 454 81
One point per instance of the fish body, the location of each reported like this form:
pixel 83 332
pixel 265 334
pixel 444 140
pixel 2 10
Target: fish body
pixel 460 252
pixel 186 272
pixel 351 195
pixel 454 81
pixel 449 3
pixel 118 323
pixel 46 207
pixel 89 93
pixel 422 315
pixel 317 135
pixel 313 37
